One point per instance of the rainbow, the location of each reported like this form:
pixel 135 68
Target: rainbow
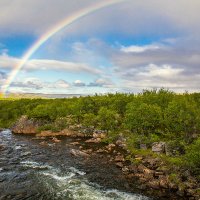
pixel 58 27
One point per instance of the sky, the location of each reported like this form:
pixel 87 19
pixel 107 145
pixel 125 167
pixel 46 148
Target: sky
pixel 126 47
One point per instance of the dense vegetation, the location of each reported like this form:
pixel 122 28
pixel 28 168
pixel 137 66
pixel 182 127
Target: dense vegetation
pixel 157 115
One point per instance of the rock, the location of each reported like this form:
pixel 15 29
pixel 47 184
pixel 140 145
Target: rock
pixel 158 173
pixel 110 147
pixel 88 151
pixel 39 138
pixel 119 164
pixel 181 193
pixel 26 153
pixel 173 186
pixel 154 184
pixel 100 151
pixel 138 157
pixel 143 169
pixel 121 141
pixel 78 153
pixel 158 147
pixel 93 140
pixel 164 183
pixel 44 143
pixel 119 158
pixel 143 146
pixel 25 126
pixel 74 143
pixel 54 139
pixel 1 147
pixel 125 169
pixel 99 135
pixel 132 168
pixel 191 192
pixel 152 163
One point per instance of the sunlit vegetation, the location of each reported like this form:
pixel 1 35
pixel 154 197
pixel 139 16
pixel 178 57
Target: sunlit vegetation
pixel 156 115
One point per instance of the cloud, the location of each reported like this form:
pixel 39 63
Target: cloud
pixel 79 83
pixel 9 62
pixel 164 71
pixel 139 49
pixel 160 17
pixel 60 84
pixel 3 75
pixel 153 76
pixel 101 83
pixel 30 83
pixel 33 83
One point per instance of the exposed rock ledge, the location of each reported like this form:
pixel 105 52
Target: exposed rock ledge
pixel 25 126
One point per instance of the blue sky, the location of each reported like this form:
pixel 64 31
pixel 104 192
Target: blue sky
pixel 129 46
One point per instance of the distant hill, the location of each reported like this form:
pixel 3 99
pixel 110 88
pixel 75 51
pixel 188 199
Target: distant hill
pixel 41 95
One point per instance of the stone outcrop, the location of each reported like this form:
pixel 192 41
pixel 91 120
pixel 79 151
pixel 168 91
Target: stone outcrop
pixel 25 126
pixel 65 132
pixel 158 147
pixel 78 153
pixel 121 141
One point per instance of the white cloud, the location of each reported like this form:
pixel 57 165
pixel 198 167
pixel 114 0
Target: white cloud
pixel 102 82
pixel 164 71
pixel 139 49
pixel 60 84
pixel 44 64
pixel 79 83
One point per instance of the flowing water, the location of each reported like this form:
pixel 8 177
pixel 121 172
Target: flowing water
pixel 29 170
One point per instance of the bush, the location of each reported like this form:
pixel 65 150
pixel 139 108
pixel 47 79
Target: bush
pixel 192 156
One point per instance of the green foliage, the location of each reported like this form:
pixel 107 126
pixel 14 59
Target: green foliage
pixel 192 156
pixel 89 119
pixel 144 118
pixel 107 119
pixel 182 117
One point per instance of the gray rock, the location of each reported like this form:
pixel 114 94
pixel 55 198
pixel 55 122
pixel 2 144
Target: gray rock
pixel 158 147
pixel 143 146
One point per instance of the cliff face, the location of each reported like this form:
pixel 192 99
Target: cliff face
pixel 25 126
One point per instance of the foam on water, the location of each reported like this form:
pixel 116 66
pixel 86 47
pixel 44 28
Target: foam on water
pixel 73 185
pixel 57 177
pixel 34 165
pixel 77 171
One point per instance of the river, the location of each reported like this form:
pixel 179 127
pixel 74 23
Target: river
pixel 29 170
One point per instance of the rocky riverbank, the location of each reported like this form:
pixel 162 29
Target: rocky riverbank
pixel 154 177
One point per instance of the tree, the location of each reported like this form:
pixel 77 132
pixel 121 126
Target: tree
pixel 182 117
pixel 89 119
pixel 143 119
pixel 108 119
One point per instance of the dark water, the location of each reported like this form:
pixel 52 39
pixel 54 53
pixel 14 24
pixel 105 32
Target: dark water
pixel 29 170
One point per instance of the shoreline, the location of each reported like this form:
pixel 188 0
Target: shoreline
pixel 147 173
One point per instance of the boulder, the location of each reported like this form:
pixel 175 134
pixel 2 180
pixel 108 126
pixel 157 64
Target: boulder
pixel 93 140
pixel 154 184
pixel 119 164
pixel 164 183
pixel 78 153
pixel 158 147
pixel 56 140
pixel 25 126
pixel 119 158
pixel 43 143
pixel 110 147
pixel 121 141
